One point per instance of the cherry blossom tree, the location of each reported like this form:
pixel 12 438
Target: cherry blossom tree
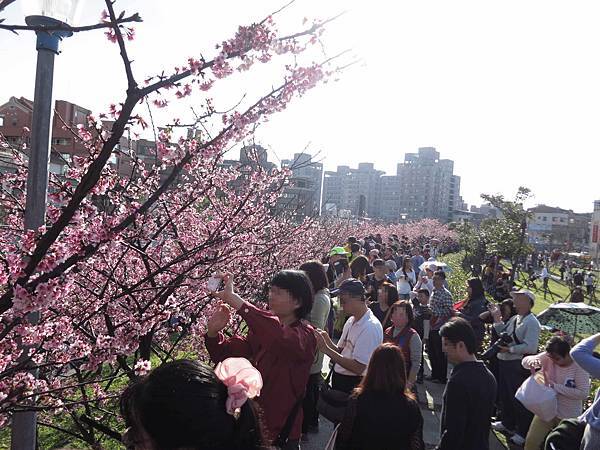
pixel 118 273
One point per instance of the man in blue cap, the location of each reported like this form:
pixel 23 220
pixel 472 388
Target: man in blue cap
pixel 361 335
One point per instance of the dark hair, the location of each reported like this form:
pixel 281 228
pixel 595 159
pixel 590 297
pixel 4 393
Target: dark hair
pixel 509 302
pixel 440 273
pixel 386 372
pixel 458 329
pixel 181 404
pixel 355 247
pixel 359 266
pixel 392 292
pixel 316 274
pixel 558 345
pixel 476 287
pixel 407 308
pixel 424 291
pixel 297 283
pixel 351 240
pixel 378 262
pixel 404 261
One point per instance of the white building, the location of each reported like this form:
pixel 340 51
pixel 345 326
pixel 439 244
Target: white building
pixel 553 227
pixel 428 186
pixel 355 190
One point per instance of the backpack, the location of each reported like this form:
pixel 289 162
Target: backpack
pixel 567 435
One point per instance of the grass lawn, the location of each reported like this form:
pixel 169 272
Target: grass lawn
pixel 558 291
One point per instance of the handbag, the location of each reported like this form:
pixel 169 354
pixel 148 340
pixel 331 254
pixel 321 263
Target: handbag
pixel 538 398
pixel 332 403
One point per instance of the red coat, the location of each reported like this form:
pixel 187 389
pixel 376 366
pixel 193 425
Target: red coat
pixel 282 354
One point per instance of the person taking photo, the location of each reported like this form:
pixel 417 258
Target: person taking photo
pixel 361 335
pixel 524 331
pixel 279 343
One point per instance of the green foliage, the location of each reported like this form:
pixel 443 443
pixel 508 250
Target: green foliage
pixel 457 278
pixel 504 236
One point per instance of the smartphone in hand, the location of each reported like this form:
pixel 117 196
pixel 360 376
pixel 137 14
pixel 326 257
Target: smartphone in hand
pixel 214 283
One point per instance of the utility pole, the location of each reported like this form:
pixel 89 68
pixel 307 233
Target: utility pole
pixel 24 423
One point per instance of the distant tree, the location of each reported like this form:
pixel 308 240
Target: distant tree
pixel 503 236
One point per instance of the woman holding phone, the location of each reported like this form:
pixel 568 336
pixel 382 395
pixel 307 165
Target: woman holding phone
pixel 279 343
pixel 406 279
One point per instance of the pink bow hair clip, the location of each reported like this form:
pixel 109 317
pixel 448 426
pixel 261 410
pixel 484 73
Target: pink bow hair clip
pixel 243 381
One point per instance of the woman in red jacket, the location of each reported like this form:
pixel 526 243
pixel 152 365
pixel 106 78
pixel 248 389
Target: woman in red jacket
pixel 279 343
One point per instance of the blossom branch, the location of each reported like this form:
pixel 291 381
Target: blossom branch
pixel 67 28
pixel 131 83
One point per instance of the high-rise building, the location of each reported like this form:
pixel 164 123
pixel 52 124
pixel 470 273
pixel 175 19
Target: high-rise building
pixel 390 187
pixel 354 190
pixel 428 186
pixel 424 186
pixel 303 195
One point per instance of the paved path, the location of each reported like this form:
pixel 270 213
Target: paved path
pixel 430 400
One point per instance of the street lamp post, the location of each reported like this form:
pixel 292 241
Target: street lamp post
pixel 40 13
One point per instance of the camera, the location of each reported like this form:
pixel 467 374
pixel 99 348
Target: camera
pixel 504 340
pixel 340 266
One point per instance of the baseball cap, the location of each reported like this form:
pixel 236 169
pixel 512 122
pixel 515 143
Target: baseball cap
pixel 338 251
pixel 526 292
pixel 352 286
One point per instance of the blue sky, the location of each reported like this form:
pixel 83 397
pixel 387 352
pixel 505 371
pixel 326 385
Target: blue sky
pixel 509 90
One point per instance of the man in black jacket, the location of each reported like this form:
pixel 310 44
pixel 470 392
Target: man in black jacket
pixel 470 393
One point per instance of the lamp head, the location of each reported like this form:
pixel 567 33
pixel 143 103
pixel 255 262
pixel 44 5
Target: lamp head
pixel 63 11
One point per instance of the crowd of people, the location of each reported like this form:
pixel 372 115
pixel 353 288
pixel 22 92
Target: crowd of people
pixel 499 281
pixel 267 389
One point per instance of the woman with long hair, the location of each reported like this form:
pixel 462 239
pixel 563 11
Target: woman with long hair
pixel 382 413
pixel 186 405
pixel 474 305
pixel 402 334
pixel 318 319
pixel 406 279
pixel 387 295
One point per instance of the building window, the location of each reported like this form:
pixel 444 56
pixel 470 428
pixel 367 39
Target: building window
pixel 555 219
pixel 61 141
pixel 544 218
pixel 1 121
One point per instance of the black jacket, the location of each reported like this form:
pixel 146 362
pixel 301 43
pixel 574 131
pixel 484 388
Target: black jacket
pixel 468 405
pixel 380 421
